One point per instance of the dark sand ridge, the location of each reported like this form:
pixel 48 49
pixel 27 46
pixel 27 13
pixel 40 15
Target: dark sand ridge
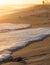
pixel 39 52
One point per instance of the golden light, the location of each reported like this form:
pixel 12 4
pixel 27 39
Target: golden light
pixel 2 3
pixel 5 2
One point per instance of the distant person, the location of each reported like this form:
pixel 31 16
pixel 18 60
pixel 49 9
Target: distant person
pixel 43 2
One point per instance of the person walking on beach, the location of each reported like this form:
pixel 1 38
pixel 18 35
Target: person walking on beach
pixel 43 2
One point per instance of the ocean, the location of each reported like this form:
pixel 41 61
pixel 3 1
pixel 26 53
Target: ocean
pixel 16 36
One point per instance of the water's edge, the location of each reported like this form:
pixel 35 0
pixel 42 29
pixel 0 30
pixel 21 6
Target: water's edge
pixel 17 39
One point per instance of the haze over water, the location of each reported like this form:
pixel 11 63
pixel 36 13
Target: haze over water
pixel 9 9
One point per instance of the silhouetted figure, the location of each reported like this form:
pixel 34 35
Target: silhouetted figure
pixel 43 2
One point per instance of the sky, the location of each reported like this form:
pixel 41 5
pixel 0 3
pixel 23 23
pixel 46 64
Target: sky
pixel 4 2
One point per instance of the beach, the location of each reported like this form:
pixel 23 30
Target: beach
pixel 36 53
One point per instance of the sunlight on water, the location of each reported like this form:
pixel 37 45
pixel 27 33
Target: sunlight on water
pixel 9 9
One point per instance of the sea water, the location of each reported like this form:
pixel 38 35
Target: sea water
pixel 14 39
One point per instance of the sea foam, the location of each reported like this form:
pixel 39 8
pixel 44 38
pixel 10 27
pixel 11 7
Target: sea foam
pixel 16 39
pixel 13 26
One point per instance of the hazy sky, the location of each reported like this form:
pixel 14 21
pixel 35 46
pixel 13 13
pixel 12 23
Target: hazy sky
pixel 31 1
pixel 3 2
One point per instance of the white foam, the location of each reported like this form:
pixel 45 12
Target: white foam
pixel 13 26
pixel 4 55
pixel 16 39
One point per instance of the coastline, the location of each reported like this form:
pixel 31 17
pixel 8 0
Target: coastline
pixel 34 54
pixel 37 53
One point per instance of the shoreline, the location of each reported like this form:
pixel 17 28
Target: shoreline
pixel 37 53
pixel 23 54
pixel 11 59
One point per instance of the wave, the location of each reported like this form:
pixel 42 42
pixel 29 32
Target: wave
pixel 6 27
pixel 14 40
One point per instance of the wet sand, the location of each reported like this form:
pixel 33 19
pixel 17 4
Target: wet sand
pixel 37 53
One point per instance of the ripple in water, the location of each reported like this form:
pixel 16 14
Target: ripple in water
pixel 15 39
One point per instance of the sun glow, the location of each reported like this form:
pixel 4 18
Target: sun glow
pixel 6 2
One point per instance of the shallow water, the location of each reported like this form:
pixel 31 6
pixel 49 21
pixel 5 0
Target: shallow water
pixel 15 39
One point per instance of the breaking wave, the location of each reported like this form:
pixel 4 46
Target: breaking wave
pixel 15 39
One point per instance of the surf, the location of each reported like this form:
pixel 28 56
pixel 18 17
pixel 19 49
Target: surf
pixel 18 36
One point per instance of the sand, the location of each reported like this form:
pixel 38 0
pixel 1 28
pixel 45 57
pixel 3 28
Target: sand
pixel 37 53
